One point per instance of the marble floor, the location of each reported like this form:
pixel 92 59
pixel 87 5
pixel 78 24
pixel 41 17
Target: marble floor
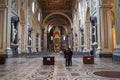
pixel 32 68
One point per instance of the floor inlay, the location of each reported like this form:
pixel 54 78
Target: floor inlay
pixel 33 69
pixel 109 74
pixel 75 74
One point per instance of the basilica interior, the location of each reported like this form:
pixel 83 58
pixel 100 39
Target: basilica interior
pixel 35 33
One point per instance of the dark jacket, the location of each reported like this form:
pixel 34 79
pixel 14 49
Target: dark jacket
pixel 68 54
pixel 91 52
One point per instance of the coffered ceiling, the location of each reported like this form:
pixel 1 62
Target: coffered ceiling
pixel 55 6
pixel 64 6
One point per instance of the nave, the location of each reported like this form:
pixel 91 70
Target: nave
pixel 32 68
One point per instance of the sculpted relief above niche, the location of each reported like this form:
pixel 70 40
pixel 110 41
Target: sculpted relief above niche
pixel 88 3
pixel 94 5
pixel 14 5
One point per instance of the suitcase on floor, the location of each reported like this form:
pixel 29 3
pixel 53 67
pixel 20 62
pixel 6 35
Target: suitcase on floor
pixel 88 59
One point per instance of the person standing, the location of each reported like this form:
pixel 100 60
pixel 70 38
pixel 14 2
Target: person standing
pixel 65 52
pixel 68 55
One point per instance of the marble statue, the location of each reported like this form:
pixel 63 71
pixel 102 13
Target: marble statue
pixel 14 31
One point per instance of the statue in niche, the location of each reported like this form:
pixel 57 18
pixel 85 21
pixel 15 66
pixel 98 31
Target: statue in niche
pixel 14 35
pixel 14 31
pixel 14 5
pixel 29 35
pixel 93 21
pixel 94 4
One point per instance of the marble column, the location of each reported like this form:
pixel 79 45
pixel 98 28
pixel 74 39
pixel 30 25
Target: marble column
pixel 39 42
pixel 70 40
pixel 33 41
pixel 105 39
pixel 79 40
pixel 99 29
pixel 87 36
pixel 26 38
pixel 74 41
pixel 45 41
pixel 22 37
pixel 116 54
pixel 2 30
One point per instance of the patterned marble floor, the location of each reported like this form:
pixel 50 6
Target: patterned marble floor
pixel 33 69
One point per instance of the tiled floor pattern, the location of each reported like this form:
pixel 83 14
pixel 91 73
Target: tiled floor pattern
pixel 33 69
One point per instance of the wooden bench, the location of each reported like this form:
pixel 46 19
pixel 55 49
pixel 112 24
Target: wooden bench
pixel 88 59
pixel 48 60
pixel 3 58
pixel 106 55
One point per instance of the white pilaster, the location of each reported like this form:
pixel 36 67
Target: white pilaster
pixel 99 28
pixel 5 21
pixel 87 36
pixel 33 41
pixel 105 30
pixel 39 40
pixel 45 40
